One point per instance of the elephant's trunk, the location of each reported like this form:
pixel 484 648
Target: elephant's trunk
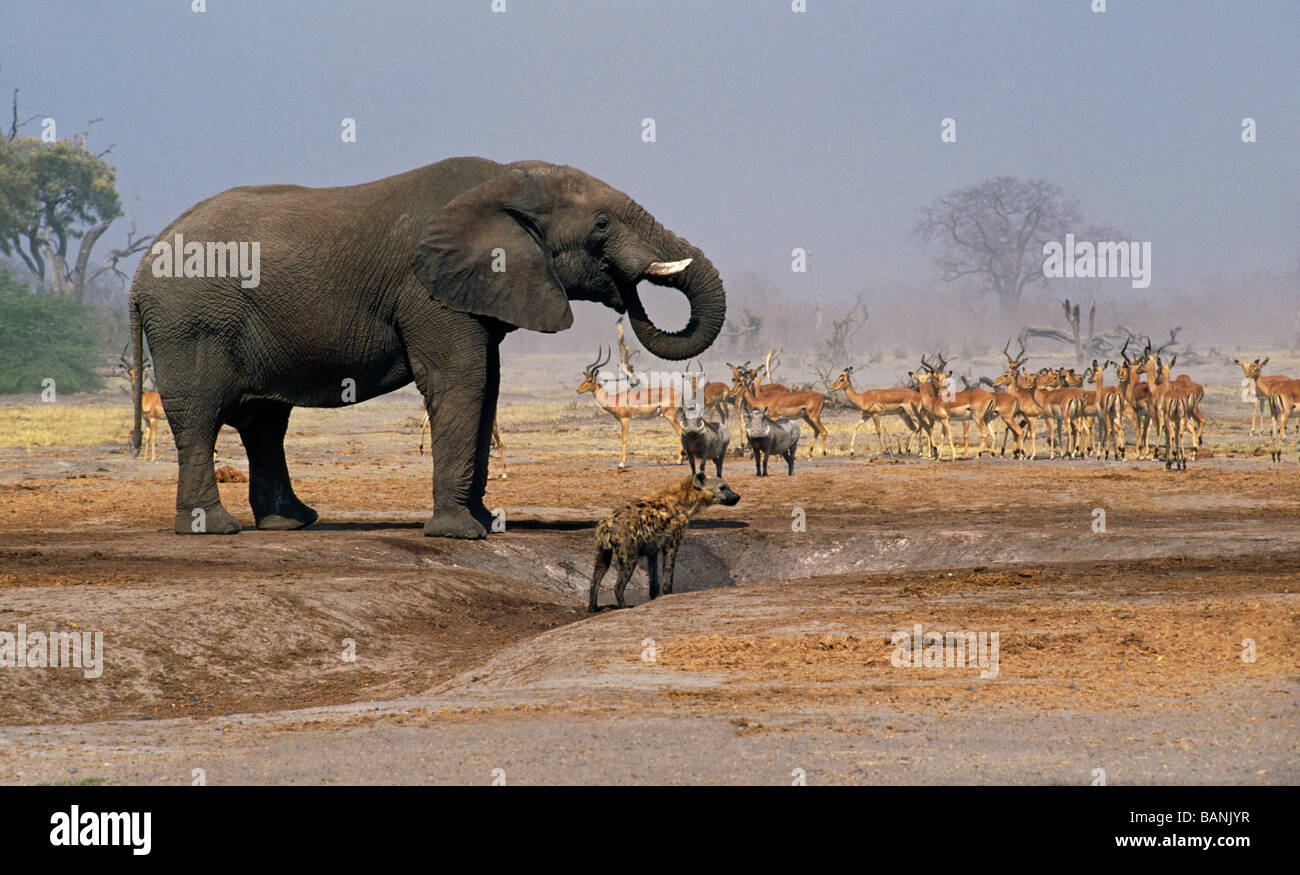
pixel 699 282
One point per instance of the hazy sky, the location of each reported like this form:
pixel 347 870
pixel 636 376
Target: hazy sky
pixel 774 129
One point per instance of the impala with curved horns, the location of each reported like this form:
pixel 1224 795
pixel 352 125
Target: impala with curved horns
pixel 626 402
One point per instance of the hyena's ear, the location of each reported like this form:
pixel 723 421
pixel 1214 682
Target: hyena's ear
pixel 699 480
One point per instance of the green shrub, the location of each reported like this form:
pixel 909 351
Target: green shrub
pixel 46 336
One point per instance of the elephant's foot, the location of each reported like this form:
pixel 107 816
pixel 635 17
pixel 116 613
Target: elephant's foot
pixel 456 522
pixel 206 521
pixel 281 512
pixel 288 519
pixel 481 515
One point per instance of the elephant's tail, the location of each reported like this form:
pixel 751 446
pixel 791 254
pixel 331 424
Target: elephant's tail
pixel 137 372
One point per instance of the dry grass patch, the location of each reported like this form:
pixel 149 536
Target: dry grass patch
pixel 65 425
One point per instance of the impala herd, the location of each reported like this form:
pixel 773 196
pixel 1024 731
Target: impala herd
pixel 1082 415
pixel 1079 422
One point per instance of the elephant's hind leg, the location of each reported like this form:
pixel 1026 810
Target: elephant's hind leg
pixel 262 425
pixel 198 502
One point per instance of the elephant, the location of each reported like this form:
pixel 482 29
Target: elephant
pixel 366 288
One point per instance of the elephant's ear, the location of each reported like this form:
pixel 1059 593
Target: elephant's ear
pixel 482 254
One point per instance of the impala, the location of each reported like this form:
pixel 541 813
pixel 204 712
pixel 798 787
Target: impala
pixel 1027 408
pixel 1172 406
pixel 875 403
pixel 1283 399
pixel 967 406
pixel 628 404
pixel 742 373
pixel 1069 378
pixel 1196 419
pixel 1191 393
pixel 1164 393
pixel 785 403
pixel 715 399
pixel 707 399
pixel 1064 404
pixel 1135 400
pixel 1103 403
pixel 739 375
pixel 1261 386
pixel 151 408
pixel 932 411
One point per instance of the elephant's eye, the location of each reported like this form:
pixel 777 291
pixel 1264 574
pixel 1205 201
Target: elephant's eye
pixel 602 224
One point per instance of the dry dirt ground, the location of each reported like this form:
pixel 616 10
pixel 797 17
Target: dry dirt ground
pixel 1163 649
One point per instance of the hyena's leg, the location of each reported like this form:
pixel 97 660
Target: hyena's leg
pixel 652 569
pixel 597 575
pixel 670 563
pixel 626 566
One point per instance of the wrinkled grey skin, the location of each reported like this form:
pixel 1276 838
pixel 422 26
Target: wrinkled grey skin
pixel 383 284
pixel 771 437
pixel 706 441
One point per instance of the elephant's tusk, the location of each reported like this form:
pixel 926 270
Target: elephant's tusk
pixel 668 268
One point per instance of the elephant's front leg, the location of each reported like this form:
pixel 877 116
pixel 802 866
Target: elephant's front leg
pixel 456 390
pixel 454 414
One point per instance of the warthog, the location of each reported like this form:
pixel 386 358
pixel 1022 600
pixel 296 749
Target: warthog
pixel 705 441
pixel 771 437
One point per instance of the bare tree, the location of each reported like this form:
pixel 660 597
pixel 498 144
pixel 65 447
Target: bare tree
pixel 996 230
pixel 844 329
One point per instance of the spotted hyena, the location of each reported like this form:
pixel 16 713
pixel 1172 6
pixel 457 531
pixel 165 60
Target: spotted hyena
pixel 650 527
